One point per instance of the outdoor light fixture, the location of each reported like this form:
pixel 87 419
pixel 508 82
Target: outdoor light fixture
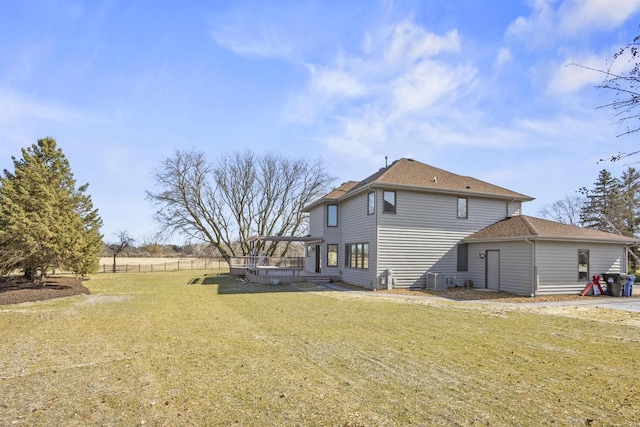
pixel 481 256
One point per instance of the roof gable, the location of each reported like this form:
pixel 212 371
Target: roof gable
pixel 523 226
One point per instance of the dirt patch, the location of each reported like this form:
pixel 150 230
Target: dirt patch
pixel 16 290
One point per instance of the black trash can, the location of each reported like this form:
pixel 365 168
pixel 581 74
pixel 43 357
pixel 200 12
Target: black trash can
pixel 615 288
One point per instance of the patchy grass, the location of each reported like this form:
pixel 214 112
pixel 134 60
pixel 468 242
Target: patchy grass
pixel 184 348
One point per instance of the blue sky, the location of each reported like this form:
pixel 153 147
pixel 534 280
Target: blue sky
pixel 474 87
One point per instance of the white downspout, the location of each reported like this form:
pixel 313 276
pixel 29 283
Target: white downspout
pixel 534 268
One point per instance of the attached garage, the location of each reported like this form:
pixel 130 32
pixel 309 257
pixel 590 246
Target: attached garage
pixel 532 256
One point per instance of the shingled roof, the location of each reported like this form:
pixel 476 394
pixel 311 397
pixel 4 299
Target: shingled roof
pixel 522 226
pixel 411 174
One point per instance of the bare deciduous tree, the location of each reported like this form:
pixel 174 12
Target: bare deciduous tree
pixel 123 241
pixel 565 211
pixel 625 85
pixel 242 195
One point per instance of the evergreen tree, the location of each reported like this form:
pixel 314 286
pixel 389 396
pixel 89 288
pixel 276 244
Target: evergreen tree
pixel 604 204
pixel 630 202
pixel 45 222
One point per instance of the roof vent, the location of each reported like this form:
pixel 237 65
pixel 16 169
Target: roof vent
pixel 468 186
pixel 435 179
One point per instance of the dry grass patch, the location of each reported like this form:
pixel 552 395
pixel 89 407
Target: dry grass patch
pixel 183 348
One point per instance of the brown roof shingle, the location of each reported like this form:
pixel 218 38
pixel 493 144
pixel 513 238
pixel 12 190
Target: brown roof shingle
pixel 413 174
pixel 343 189
pixel 523 226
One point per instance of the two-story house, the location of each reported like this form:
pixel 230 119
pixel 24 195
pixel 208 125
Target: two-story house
pixel 414 225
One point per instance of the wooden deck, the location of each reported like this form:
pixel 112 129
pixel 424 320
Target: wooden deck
pixel 276 270
pixel 276 275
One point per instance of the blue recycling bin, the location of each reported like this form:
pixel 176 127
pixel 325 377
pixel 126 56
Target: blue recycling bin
pixel 628 286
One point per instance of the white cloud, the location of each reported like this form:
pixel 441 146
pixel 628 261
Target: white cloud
pixel 422 86
pixel 502 58
pixel 536 28
pixel 579 15
pixel 261 43
pixel 335 82
pixel 578 71
pixel 253 33
pixel 551 21
pixel 574 74
pixel 15 106
pixel 400 79
pixel 408 43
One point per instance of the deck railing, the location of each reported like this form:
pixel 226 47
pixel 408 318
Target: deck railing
pixel 238 264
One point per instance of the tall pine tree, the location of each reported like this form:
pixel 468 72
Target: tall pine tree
pixel 630 202
pixel 45 222
pixel 604 204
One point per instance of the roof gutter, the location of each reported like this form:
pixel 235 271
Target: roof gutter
pixel 550 239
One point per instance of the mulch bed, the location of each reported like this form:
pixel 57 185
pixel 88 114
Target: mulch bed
pixel 16 290
pixel 466 294
pixel 462 294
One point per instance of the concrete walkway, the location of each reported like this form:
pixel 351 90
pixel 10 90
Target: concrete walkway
pixel 631 304
pixel 614 303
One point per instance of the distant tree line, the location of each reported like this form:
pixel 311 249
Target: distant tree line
pixel 46 222
pixel 195 250
pixel 612 205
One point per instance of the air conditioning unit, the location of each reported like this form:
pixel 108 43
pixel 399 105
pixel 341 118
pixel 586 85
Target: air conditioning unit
pixel 436 281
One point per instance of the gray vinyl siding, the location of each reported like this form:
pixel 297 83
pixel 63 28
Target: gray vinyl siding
pixel 423 234
pixel 317 221
pixel 358 227
pixel 557 264
pixel 316 229
pixel 516 266
pixel 514 208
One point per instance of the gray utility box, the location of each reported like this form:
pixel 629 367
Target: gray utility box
pixel 436 281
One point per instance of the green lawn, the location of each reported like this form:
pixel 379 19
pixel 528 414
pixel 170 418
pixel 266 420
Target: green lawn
pixel 182 348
